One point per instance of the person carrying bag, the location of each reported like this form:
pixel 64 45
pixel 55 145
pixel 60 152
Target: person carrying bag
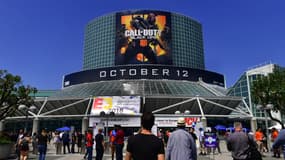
pixel 253 153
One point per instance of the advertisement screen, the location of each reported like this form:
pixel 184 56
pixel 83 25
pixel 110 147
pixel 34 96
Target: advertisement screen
pixel 143 37
pixel 116 104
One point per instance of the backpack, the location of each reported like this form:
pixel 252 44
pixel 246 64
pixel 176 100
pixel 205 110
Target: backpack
pixel 113 136
pixel 24 145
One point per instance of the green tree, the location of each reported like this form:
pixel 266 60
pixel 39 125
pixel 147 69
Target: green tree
pixel 13 93
pixel 270 89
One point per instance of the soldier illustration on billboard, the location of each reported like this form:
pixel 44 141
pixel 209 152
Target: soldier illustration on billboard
pixel 143 42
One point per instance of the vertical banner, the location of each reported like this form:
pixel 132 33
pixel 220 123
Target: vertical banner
pixel 143 37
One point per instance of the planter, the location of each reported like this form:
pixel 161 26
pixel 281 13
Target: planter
pixel 5 150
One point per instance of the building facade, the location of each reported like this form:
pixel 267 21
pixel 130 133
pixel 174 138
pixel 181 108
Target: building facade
pixel 186 41
pixel 138 61
pixel 243 88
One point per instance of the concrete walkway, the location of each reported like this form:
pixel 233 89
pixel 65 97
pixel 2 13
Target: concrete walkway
pixel 76 156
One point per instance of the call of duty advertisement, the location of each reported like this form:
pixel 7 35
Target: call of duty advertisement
pixel 143 37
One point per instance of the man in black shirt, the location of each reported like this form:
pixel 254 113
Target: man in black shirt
pixel 99 139
pixel 42 144
pixel 145 145
pixel 192 132
pixel 65 140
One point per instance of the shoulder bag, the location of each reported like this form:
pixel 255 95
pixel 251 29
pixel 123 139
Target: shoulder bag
pixel 252 152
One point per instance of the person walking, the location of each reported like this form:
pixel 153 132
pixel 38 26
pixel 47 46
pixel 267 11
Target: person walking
pixel 145 145
pixel 201 139
pixel 42 144
pixel 57 143
pixel 259 140
pixel 73 141
pixel 24 146
pixel 192 132
pixel 119 141
pixel 89 144
pixel 181 144
pixel 84 142
pixel 274 135
pixel 99 139
pixel 238 143
pixel 214 130
pixel 65 141
pixel 19 137
pixel 112 142
pixel 79 141
pixel 35 143
pixel 280 141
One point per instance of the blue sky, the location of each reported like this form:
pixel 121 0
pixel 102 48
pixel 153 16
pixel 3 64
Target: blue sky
pixel 42 40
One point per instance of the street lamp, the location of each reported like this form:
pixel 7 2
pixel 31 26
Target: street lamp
pixel 186 112
pixel 26 109
pixel 110 114
pixel 266 108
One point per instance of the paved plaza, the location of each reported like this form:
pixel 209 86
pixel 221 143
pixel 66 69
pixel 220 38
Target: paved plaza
pixel 52 156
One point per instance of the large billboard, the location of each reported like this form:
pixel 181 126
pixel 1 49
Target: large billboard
pixel 143 37
pixel 116 104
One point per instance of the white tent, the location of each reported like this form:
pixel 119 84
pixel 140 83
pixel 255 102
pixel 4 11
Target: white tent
pixel 277 126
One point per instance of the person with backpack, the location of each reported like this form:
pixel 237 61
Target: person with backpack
pixel 242 144
pixel 24 146
pixel 42 144
pixel 112 142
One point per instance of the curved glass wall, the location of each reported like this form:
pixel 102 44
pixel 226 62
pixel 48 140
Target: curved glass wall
pixel 100 34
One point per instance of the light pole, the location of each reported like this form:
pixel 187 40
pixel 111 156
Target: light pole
pixel 26 109
pixel 110 114
pixel 186 112
pixel 266 108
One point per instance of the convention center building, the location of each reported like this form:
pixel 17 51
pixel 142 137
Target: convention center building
pixel 137 61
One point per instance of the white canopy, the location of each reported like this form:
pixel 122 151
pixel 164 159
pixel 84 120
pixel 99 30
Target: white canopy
pixel 277 126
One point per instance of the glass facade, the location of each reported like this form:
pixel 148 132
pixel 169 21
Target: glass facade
pixel 168 88
pixel 100 34
pixel 187 42
pixel 99 43
pixel 241 89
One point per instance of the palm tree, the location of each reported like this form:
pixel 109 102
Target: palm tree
pixel 270 90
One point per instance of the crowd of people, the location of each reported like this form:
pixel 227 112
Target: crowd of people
pixel 39 144
pixel 240 142
pixel 181 143
pixel 62 142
